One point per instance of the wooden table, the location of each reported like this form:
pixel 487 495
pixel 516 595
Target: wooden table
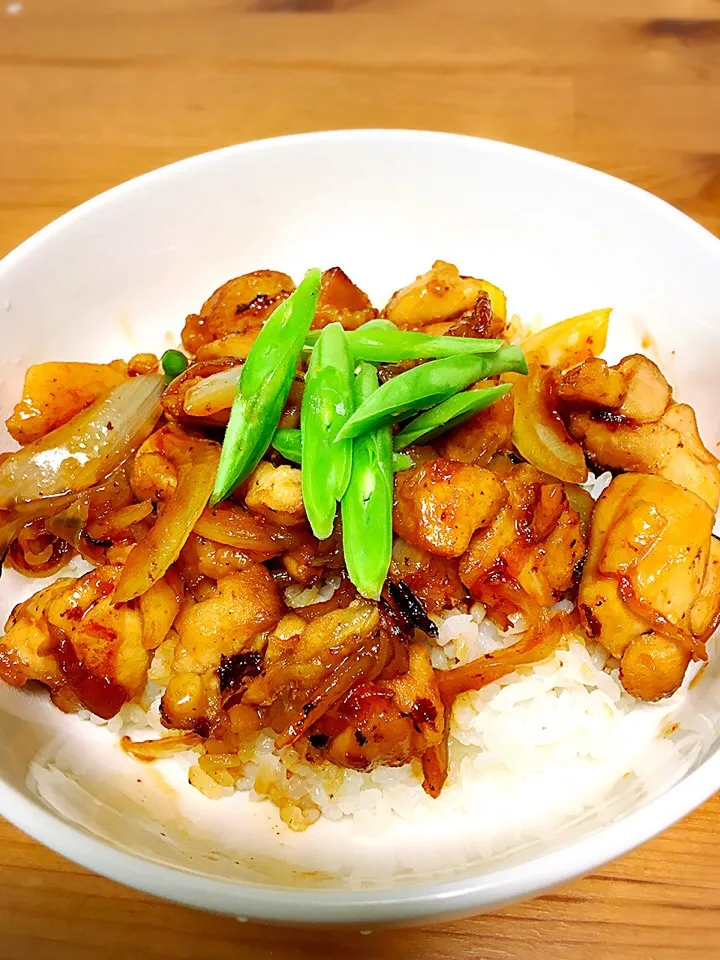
pixel 93 92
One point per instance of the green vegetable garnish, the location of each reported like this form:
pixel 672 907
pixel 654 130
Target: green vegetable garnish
pixel 264 386
pixel 401 461
pixel 173 363
pixel 380 341
pixel 326 405
pixel 448 414
pixel 288 443
pixel 427 385
pixel 367 505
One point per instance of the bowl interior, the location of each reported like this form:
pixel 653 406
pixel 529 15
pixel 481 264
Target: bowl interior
pixel 120 274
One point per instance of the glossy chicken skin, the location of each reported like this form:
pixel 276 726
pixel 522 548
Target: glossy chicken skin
pixel 669 447
pixel 634 388
pixel 646 569
pixel 89 650
pixel 482 436
pixel 385 722
pixel 26 650
pixel 239 608
pixel 625 419
pixel 231 318
pixel 434 580
pixel 341 301
pixel 535 540
pixel 439 504
pixel 441 297
pixel 240 306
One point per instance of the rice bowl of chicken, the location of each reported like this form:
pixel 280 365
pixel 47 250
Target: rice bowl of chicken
pixel 548 695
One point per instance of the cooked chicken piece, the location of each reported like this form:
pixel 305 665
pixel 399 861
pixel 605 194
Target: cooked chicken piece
pixel 103 645
pixel 434 580
pixel 141 364
pixel 705 612
pixel 340 301
pixel 99 644
pixel 153 476
pixel 647 392
pixel 385 722
pixel 653 666
pixel 234 346
pixel 634 425
pixel 440 504
pixel 646 568
pixel 201 557
pixel 86 648
pixel 241 607
pixel 592 384
pixel 634 388
pixel 276 494
pixel 535 540
pixel 437 298
pixel 313 559
pixel 55 392
pixel 482 436
pixel 26 650
pixel 300 563
pixel 670 447
pixel 239 306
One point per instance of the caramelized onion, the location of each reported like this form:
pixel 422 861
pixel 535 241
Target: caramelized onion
pixel 151 558
pixel 213 394
pixel 149 750
pixel 70 523
pixel 435 762
pixel 234 526
pixel 538 432
pixel 535 645
pixel 83 451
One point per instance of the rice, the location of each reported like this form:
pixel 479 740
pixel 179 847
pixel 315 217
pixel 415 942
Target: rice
pixel 565 720
pixel 537 722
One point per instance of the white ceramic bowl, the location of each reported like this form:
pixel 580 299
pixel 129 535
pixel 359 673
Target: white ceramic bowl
pixel 121 272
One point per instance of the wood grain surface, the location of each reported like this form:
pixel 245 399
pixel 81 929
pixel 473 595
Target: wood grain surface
pixel 93 92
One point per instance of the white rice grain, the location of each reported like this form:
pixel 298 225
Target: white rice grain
pixel 566 717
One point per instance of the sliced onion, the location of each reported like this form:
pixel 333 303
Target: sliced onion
pixel 83 451
pixel 116 523
pixel 149 750
pixel 150 559
pixel 70 523
pixel 10 526
pixel 539 434
pixel 435 762
pixel 533 646
pixel 213 394
pixel 233 526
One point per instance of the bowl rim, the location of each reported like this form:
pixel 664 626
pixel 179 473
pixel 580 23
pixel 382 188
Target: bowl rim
pixel 412 902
